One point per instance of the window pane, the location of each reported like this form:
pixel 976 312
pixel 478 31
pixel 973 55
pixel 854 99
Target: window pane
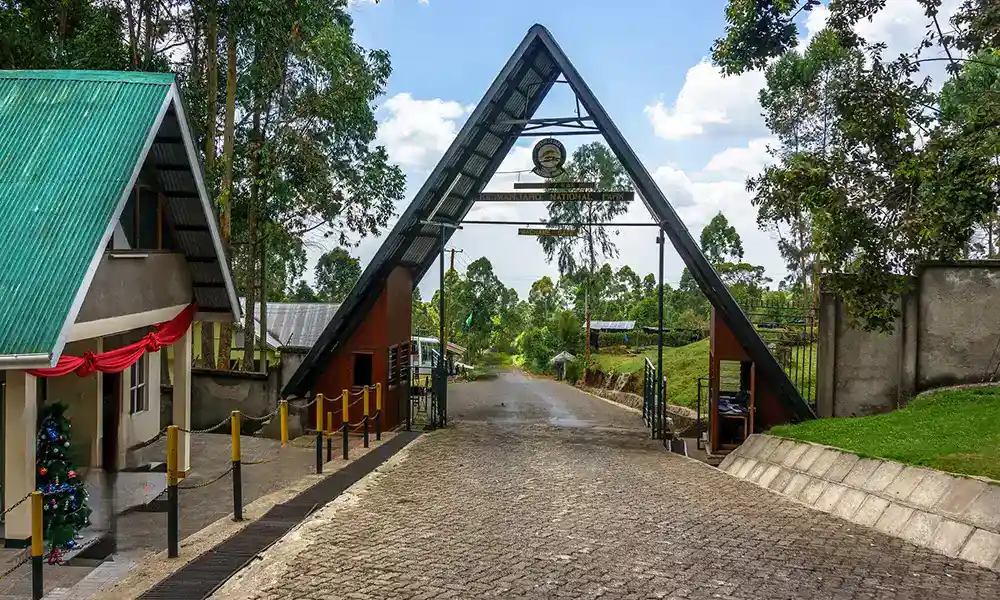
pixel 128 220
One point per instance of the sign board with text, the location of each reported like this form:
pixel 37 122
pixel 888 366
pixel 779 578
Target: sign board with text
pixel 548 232
pixel 556 196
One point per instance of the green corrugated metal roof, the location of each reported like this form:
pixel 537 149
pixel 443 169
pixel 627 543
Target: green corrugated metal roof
pixel 69 142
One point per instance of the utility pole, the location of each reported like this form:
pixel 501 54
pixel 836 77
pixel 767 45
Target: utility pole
pixel 453 251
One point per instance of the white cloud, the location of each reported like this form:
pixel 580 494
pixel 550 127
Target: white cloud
pixel 741 162
pixel 815 21
pixel 417 132
pixel 710 103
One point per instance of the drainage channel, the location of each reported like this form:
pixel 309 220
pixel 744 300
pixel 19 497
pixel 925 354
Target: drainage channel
pixel 205 574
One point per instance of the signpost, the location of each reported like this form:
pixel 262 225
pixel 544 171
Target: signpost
pixel 556 196
pixel 548 232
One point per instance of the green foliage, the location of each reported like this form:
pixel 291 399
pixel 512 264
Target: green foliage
pixel 683 366
pixel 952 430
pixel 336 273
pixel 593 162
pixel 535 349
pixel 720 242
pixel 66 503
pixel 875 172
pixel 303 293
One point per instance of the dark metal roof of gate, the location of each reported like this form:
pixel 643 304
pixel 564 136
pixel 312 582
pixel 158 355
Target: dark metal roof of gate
pixel 471 161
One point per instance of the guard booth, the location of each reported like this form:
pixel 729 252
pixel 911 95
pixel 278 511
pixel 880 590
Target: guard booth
pixel 741 401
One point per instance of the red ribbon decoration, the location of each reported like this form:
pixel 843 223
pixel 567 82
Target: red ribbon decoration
pixel 116 361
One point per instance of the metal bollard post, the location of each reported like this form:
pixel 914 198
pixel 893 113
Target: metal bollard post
pixel 173 507
pixel 347 401
pixel 364 404
pixel 37 546
pixel 329 436
pixel 234 423
pixel 283 412
pixel 319 433
pixel 378 412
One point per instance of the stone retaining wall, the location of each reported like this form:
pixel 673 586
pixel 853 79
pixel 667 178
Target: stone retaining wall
pixel 956 516
pixel 684 418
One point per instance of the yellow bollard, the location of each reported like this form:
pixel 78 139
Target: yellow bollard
pixel 378 411
pixel 319 433
pixel 319 412
pixel 329 436
pixel 173 510
pixel 234 423
pixel 347 405
pixel 37 546
pixel 364 401
pixel 283 412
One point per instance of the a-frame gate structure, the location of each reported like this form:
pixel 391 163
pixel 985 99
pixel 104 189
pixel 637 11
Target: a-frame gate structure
pixel 501 117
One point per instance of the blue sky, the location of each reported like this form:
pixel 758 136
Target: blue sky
pixel 698 133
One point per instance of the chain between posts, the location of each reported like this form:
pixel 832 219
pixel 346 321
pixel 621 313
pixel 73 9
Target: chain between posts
pixel 207 430
pixel 15 505
pixel 206 483
pixel 23 561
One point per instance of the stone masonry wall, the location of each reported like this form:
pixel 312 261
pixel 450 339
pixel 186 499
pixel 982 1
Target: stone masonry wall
pixel 953 515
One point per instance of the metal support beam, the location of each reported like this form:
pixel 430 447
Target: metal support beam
pixel 442 359
pixel 659 404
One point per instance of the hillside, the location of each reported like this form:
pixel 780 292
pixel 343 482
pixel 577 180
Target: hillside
pixel 683 366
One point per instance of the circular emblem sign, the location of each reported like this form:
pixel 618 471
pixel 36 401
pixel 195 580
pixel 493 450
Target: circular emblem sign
pixel 549 156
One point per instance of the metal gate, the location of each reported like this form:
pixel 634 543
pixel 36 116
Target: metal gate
pixel 790 330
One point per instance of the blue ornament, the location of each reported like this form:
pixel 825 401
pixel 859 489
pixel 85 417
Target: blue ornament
pixel 70 544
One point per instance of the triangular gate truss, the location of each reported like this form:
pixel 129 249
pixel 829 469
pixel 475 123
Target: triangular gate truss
pixel 446 197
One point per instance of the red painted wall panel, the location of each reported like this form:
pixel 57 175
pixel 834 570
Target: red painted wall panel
pixel 386 323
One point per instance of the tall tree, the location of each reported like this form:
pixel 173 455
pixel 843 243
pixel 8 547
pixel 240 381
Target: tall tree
pixel 590 163
pixel 720 241
pixel 336 273
pixel 543 299
pixel 896 184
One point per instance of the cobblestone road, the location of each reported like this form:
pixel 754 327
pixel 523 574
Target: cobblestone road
pixel 539 491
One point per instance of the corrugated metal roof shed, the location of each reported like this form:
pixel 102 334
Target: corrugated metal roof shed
pixel 294 324
pixel 71 145
pixel 611 325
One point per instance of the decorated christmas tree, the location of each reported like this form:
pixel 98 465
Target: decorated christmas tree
pixel 65 504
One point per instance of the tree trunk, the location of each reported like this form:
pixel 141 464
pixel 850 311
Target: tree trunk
pixel 207 349
pixel 251 253
pixel 225 193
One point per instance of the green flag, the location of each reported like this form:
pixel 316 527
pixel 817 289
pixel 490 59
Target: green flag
pixel 468 322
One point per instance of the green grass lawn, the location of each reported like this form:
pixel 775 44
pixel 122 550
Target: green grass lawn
pixel 683 366
pixel 954 430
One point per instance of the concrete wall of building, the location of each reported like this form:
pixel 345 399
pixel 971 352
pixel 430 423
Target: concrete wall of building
pixel 129 282
pixel 946 334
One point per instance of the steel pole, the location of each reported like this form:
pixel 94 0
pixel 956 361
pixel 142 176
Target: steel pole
pixel 442 382
pixel 658 411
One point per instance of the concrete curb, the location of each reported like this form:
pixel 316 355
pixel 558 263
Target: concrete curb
pixel 949 514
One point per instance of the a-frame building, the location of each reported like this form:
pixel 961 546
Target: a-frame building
pixel 449 193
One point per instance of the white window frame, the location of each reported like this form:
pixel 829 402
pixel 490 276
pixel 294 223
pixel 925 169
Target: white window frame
pixel 138 391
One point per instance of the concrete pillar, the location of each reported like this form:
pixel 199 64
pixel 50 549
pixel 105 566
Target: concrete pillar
pixel 182 398
pixel 909 328
pixel 20 427
pixel 826 354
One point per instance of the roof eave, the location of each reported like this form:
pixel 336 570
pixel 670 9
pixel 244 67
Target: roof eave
pixel 213 229
pixel 26 361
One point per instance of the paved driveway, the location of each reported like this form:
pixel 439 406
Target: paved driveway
pixel 537 490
